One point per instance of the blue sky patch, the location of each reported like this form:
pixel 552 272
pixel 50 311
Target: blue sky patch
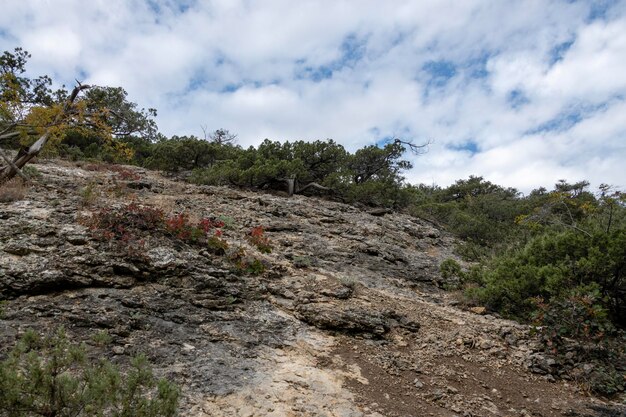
pixel 352 51
pixel 196 81
pixel 440 72
pixel 558 52
pixel 154 6
pixel 381 142
pixel 468 146
pixel 230 88
pixel 516 98
pixel 573 115
pixel 561 123
pixel 477 67
pixel 598 9
pixel 178 6
pixel 316 74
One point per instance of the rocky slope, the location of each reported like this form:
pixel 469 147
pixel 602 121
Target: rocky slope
pixel 346 321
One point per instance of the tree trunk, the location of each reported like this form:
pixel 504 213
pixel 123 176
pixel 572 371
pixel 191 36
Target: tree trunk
pixel 294 188
pixel 291 186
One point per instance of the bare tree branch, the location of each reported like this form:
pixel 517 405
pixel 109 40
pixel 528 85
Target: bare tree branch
pixel 313 185
pixel 416 149
pixel 9 135
pixel 205 132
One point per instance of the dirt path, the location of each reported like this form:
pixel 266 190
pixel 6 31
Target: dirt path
pixel 458 364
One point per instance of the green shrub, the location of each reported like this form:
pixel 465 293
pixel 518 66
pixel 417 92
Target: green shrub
pixel 229 222
pixel 216 245
pixel 552 264
pixel 101 338
pixel 53 377
pixel 31 172
pixel 302 262
pixel 185 153
pixel 246 264
pixel 379 193
pixel 89 194
pixel 577 328
pixel 450 269
pixel 571 283
pixel 73 153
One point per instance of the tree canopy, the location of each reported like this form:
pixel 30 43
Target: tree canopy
pixel 37 118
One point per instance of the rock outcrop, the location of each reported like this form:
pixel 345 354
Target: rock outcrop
pixel 347 320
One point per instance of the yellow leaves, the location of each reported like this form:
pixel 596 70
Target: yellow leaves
pixel 11 106
pixel 80 117
pixel 587 207
pixel 120 151
pixel 40 120
pixel 528 221
pixel 10 88
pixel 521 218
pixel 57 120
pixel 6 112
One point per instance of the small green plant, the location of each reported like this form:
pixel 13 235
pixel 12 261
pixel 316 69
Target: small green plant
pixel 101 338
pixel 31 172
pixel 255 267
pixel 243 263
pixel 89 194
pixel 348 282
pixel 229 222
pixel 52 377
pixel 302 262
pixel 216 245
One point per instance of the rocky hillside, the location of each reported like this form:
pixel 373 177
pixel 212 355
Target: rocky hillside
pixel 343 318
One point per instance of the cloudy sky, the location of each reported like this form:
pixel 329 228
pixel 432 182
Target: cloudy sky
pixel 522 92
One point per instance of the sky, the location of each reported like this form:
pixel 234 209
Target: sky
pixel 523 93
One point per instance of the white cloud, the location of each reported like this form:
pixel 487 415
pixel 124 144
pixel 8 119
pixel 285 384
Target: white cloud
pixel 243 66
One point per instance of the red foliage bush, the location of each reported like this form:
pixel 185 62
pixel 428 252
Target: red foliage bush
pixel 180 226
pixel 257 238
pixel 117 223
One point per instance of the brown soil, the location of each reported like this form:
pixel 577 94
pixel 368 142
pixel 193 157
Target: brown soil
pixel 455 386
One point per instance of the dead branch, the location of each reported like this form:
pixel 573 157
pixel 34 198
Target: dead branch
pixel 415 149
pixel 313 185
pixel 294 188
pixel 9 135
pixel 12 165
